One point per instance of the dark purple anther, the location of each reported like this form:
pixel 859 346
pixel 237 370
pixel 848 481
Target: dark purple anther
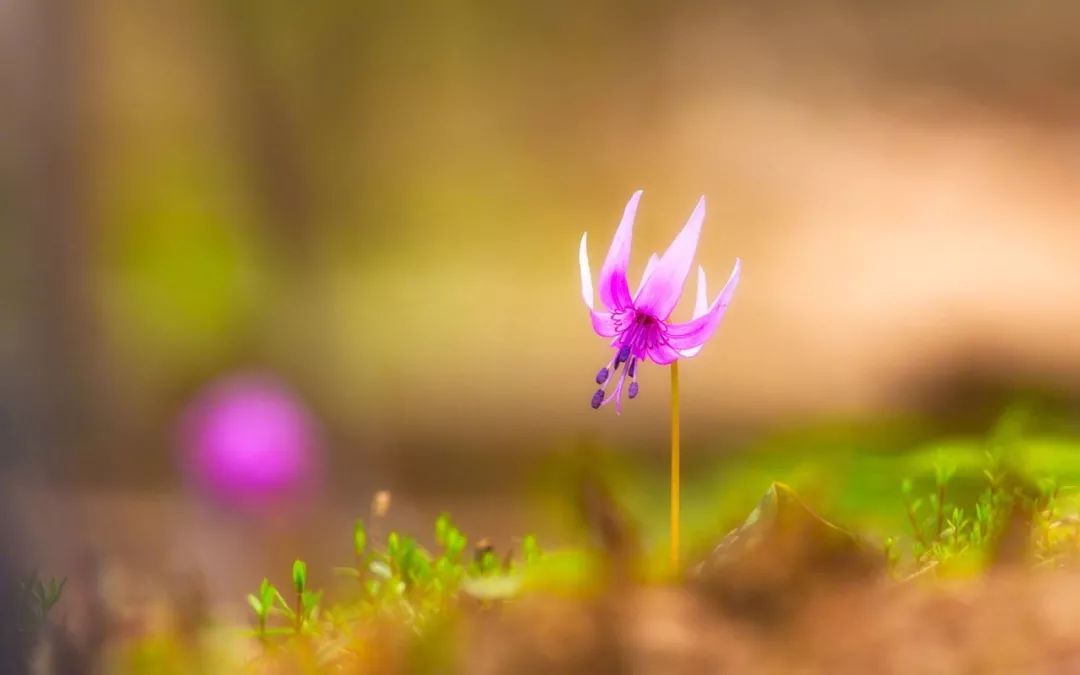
pixel 633 389
pixel 602 376
pixel 624 354
pixel 631 367
pixel 597 399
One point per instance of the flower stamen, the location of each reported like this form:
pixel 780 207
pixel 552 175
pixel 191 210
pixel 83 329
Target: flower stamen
pixel 597 399
pixel 625 365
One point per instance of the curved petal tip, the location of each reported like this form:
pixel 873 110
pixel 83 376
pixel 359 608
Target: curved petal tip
pixel 613 287
pixel 661 292
pixel 586 273
pixel 689 337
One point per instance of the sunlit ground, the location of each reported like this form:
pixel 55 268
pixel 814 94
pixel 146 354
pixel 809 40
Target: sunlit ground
pixel 832 526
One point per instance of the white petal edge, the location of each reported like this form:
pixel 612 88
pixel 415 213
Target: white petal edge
pixel 586 273
pixel 701 306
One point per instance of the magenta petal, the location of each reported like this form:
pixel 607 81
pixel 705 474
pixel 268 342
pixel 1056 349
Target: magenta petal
pixel 663 354
pixel 602 323
pixel 694 333
pixel 662 289
pixel 650 265
pixel 614 290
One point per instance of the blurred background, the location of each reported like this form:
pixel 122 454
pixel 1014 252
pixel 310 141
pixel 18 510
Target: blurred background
pixel 372 210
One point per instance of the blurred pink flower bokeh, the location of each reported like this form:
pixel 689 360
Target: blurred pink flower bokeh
pixel 247 441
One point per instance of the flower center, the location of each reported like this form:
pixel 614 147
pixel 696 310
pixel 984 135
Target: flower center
pixel 640 332
pixel 636 333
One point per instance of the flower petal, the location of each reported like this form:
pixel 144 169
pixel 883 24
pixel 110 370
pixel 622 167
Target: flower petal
pixel 663 354
pixel 586 273
pixel 661 291
pixel 603 323
pixel 694 333
pixel 701 306
pixel 649 267
pixel 613 287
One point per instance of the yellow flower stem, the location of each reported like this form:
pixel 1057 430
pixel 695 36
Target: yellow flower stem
pixel 675 467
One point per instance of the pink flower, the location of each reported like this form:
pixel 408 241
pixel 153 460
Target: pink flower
pixel 249 442
pixel 640 324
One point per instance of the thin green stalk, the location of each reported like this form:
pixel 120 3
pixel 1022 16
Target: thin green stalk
pixel 299 611
pixel 675 500
pixel 940 510
pixel 914 520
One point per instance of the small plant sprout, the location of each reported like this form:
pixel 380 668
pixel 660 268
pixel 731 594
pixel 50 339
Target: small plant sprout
pixel 299 579
pixel 892 554
pixel 943 473
pixel 299 575
pixel 399 580
pixel 359 539
pixel 263 603
pixel 1057 522
pixel 39 597
pixel 911 506
pixel 269 601
pixel 530 550
pixel 640 325
pixel 950 536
